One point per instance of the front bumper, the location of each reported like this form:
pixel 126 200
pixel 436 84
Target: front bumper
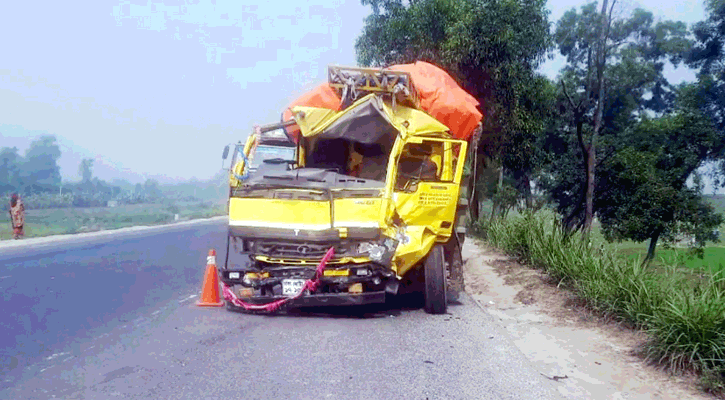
pixel 323 299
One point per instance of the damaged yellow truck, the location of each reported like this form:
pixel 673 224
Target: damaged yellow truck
pixel 366 178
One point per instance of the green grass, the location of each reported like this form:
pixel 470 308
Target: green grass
pixel 713 259
pixel 714 256
pixel 60 221
pixel 683 313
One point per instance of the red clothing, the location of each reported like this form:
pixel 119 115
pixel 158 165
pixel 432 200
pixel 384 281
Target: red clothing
pixel 17 215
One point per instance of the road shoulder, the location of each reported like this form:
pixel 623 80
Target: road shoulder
pixel 46 241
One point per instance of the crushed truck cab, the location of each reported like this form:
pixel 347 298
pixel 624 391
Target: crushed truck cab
pixel 374 185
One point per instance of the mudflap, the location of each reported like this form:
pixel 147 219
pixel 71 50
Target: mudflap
pixel 454 267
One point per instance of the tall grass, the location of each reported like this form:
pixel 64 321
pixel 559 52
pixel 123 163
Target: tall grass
pixel 684 315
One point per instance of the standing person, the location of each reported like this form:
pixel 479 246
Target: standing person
pixel 17 216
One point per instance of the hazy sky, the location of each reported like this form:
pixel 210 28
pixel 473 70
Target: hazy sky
pixel 160 87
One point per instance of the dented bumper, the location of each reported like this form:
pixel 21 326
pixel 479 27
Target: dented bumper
pixel 324 299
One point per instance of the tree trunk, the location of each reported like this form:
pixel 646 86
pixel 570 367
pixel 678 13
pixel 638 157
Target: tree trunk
pixel 527 191
pixel 474 202
pixel 652 247
pixel 598 115
pixel 496 204
pixel 585 161
pixel 589 213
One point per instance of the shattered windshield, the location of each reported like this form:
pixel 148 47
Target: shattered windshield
pixel 267 152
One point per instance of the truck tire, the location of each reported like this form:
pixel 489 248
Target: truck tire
pixel 434 270
pixel 454 263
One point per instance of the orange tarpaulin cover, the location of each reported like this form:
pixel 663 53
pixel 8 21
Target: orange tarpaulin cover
pixel 442 98
pixel 322 96
pixel 438 93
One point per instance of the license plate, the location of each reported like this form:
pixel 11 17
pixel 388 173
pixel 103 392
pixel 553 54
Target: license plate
pixel 291 287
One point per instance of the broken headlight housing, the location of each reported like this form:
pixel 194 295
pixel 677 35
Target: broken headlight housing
pixel 381 251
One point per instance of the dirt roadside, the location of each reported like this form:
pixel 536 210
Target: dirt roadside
pixel 588 358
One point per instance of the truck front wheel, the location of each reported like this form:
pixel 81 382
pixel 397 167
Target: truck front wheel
pixel 435 281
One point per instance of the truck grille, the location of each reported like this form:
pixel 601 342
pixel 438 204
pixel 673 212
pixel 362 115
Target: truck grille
pixel 299 250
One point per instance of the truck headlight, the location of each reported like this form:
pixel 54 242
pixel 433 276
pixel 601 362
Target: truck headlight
pixel 234 275
pixel 373 250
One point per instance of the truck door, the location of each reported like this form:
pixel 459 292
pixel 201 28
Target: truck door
pixel 427 182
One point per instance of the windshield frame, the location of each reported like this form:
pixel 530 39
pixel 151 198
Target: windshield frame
pixel 256 161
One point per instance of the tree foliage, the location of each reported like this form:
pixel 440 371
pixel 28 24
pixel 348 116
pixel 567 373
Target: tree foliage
pixel 85 169
pixel 491 47
pixel 10 163
pixel 40 171
pixel 604 90
pixel 646 195
pixel 708 56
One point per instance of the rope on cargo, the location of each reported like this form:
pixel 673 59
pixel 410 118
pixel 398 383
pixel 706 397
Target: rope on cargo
pixel 310 284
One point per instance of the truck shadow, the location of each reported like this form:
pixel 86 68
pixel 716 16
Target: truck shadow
pixel 394 306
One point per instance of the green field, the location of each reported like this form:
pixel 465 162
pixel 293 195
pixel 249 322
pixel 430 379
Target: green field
pixel 714 256
pixel 713 259
pixel 58 221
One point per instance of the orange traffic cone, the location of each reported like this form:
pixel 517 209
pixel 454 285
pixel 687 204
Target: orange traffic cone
pixel 210 289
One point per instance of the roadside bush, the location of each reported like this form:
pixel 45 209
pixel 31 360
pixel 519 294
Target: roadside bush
pixel 40 201
pixel 47 200
pixel 684 316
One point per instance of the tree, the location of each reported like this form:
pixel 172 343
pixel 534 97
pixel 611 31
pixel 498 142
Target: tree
pixel 151 189
pixel 491 47
pixel 40 170
pixel 708 56
pixel 612 66
pixel 85 170
pixel 522 154
pixel 10 162
pixel 647 196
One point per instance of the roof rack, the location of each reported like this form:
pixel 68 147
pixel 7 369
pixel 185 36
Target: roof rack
pixel 355 82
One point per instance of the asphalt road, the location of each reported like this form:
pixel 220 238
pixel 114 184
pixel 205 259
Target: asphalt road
pixel 116 318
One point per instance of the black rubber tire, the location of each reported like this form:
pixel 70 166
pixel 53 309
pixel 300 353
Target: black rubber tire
pixel 454 263
pixel 435 281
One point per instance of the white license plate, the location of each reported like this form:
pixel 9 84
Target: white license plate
pixel 291 287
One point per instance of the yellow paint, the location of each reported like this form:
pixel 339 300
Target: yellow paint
pixel 312 262
pixel 313 215
pixel 414 216
pixel 355 288
pixel 239 166
pixel 354 212
pixel 420 239
pixel 336 272
pixel 254 275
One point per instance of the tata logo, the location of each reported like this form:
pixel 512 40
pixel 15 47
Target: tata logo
pixel 297 232
pixel 304 250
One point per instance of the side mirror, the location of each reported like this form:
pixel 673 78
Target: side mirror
pixel 226 152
